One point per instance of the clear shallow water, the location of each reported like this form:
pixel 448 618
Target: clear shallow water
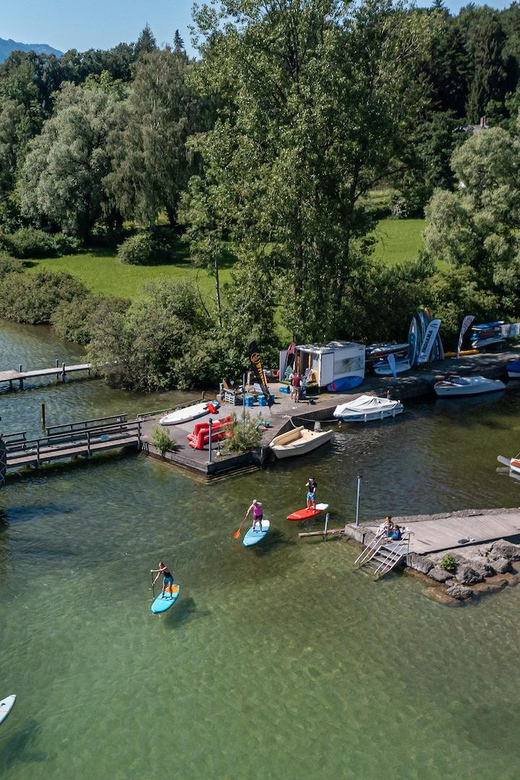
pixel 280 662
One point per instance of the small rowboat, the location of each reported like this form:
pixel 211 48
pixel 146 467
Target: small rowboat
pixel 298 442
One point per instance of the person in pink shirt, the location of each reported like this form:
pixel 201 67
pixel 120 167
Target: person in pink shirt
pixel 258 513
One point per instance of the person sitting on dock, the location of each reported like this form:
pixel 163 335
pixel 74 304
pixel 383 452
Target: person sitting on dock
pixel 386 527
pixel 312 487
pixel 258 513
pixel 394 535
pixel 167 578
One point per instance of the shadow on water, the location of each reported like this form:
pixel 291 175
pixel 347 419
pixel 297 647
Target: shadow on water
pixel 272 542
pixel 185 611
pixel 17 748
pixel 22 514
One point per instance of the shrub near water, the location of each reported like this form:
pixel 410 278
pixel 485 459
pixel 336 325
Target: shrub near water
pixel 33 298
pixel 162 440
pixel 245 435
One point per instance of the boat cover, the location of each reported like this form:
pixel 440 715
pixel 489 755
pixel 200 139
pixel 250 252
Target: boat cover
pixel 367 404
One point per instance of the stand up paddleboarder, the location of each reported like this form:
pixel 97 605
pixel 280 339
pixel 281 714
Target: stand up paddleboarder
pixel 258 513
pixel 167 578
pixel 312 487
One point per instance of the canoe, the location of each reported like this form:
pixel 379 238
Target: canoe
pixel 6 705
pixel 299 441
pixel 367 408
pixel 253 537
pixel 161 604
pixel 467 385
pixel 186 414
pixel 306 514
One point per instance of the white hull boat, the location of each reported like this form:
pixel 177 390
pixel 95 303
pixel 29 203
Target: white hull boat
pixel 384 369
pixel 467 385
pixel 298 442
pixel 367 408
pixel 186 414
pixel 512 463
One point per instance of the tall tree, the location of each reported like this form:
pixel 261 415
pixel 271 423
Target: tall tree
pixel 319 99
pixel 150 162
pixel 62 177
pixel 146 42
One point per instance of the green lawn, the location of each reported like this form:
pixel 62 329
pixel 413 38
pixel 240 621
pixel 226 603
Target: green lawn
pixel 399 239
pixel 101 271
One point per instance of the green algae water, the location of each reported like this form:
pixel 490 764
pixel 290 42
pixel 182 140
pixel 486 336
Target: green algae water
pixel 277 662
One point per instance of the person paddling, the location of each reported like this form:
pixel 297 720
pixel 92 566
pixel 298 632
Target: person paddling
pixel 167 578
pixel 258 513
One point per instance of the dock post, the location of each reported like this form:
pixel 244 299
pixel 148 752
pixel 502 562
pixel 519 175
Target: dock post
pixel 139 434
pixel 63 372
pixel 88 444
pixel 57 363
pixel 358 495
pixel 20 368
pixel 42 415
pixel 327 516
pixel 37 453
pixel 210 441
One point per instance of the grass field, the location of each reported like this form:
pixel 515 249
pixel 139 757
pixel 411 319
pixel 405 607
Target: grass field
pixel 102 272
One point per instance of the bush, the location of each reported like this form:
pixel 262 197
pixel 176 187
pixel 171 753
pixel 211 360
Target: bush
pixel 162 440
pixel 29 242
pixel 144 249
pixel 32 298
pixel 8 265
pixel 245 434
pixel 448 563
pixel 74 320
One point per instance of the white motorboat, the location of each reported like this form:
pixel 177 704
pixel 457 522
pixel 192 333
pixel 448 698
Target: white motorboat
pixel 185 414
pixel 467 385
pixel 512 463
pixel 298 441
pixel 383 368
pixel 367 408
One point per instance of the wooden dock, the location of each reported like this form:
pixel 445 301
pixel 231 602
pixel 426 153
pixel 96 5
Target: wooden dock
pixel 59 371
pixel 86 442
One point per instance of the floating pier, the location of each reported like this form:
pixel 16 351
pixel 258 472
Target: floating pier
pixel 59 371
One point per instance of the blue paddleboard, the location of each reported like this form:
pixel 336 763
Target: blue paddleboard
pixel 253 537
pixel 162 604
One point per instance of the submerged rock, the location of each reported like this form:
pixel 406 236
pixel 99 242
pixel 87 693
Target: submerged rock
pixel 419 563
pixel 459 592
pixel 440 575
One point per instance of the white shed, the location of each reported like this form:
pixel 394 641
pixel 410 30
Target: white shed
pixel 329 362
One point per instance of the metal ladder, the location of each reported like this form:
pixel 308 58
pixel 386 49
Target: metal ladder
pixel 381 557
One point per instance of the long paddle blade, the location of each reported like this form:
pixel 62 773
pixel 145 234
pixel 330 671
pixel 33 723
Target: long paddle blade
pixel 237 532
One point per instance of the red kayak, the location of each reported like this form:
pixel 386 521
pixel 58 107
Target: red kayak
pixel 305 514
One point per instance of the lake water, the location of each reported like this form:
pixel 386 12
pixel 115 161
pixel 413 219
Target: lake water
pixel 277 662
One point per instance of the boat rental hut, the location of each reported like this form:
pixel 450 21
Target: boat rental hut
pixel 327 363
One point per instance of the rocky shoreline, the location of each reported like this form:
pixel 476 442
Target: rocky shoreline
pixel 481 569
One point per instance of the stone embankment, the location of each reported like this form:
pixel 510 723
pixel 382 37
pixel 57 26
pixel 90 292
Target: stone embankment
pixel 478 570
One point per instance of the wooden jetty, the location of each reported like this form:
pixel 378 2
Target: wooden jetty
pixel 59 371
pixel 86 441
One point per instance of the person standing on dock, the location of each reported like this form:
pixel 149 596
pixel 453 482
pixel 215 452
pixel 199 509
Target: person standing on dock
pixel 167 578
pixel 312 487
pixel 258 514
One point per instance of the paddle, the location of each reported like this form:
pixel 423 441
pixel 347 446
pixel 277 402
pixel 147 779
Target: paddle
pixel 153 583
pixel 237 532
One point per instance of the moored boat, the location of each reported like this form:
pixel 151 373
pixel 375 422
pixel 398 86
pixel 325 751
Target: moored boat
pixel 298 442
pixel 188 413
pixel 367 408
pixel 467 385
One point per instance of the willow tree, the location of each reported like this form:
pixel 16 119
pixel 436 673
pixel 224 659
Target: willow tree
pixel 318 100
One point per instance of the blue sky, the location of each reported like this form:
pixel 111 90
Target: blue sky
pixel 101 24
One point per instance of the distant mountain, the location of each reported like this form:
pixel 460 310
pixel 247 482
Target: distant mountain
pixel 6 47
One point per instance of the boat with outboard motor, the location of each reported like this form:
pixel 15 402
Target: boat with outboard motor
pixel 467 385
pixel 367 408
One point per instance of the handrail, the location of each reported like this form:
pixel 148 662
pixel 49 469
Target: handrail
pixel 370 550
pixel 63 427
pixel 75 436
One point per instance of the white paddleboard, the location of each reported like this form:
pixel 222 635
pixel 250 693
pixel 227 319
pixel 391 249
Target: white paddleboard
pixel 6 705
pixel 185 415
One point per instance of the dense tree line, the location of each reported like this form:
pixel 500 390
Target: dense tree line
pixel 267 148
